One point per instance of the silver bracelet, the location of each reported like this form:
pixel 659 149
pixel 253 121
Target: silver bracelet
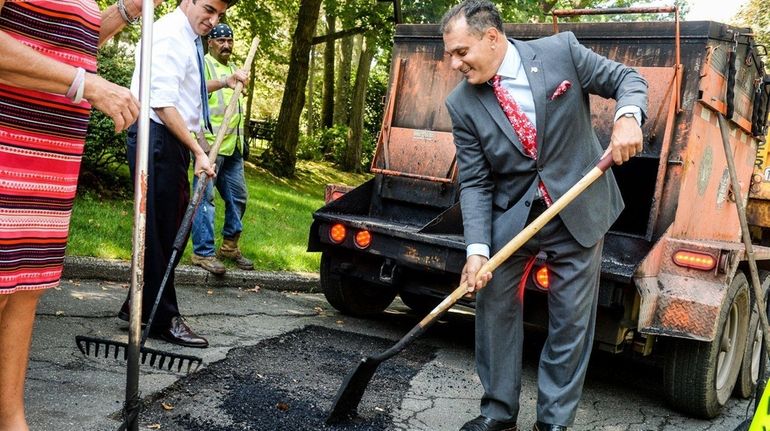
pixel 123 14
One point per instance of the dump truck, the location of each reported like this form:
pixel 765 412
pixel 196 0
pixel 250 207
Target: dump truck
pixel 674 268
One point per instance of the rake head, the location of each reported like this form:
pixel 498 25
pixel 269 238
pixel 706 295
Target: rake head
pixel 110 349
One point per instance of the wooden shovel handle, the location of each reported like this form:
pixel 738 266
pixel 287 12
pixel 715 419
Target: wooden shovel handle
pixel 214 150
pixel 525 235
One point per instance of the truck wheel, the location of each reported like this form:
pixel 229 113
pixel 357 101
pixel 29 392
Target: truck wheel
pixel 700 376
pixel 352 295
pixel 419 303
pixel 755 354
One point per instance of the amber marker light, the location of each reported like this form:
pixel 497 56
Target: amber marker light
pixel 541 278
pixel 363 239
pixel 337 233
pixel 695 260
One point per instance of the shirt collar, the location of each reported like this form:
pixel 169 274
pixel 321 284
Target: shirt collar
pixel 187 29
pixel 511 64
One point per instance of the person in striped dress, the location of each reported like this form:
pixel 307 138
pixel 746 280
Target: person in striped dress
pixel 48 84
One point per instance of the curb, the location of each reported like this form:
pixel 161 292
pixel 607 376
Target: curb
pixel 85 268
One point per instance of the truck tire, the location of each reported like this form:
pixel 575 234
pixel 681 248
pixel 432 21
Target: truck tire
pixel 699 376
pixel 755 354
pixel 352 295
pixel 419 303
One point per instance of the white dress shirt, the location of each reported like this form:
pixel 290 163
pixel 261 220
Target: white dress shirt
pixel 514 80
pixel 175 78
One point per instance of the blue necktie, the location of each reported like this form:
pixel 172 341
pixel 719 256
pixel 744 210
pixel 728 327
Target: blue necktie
pixel 204 93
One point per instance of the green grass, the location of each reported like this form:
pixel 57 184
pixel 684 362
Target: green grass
pixel 275 232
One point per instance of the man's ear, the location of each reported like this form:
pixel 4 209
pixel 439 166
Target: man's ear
pixel 492 35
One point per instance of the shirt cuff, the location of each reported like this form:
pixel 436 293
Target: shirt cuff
pixel 477 248
pixel 629 109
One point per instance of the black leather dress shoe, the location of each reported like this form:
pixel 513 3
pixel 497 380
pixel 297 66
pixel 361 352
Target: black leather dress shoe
pixel 125 314
pixel 540 426
pixel 179 333
pixel 483 423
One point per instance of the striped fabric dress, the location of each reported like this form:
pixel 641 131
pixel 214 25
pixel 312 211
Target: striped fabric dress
pixel 41 143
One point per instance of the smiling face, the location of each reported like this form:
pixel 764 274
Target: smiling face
pixel 204 14
pixel 476 56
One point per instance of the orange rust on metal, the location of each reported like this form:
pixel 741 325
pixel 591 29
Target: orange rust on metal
pixel 335 191
pixel 679 316
pixel 415 139
pixel 659 80
pixel 678 62
pixel 614 11
pixel 409 175
pixel 713 89
pixel 685 302
pixel 382 144
pixel 680 307
pixel 703 193
pixel 758 212
pixel 143 198
pixel 423 154
pixel 668 136
pixel 630 10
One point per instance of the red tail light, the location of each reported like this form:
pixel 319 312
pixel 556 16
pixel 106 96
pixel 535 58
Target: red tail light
pixel 541 278
pixel 695 260
pixel 363 239
pixel 337 233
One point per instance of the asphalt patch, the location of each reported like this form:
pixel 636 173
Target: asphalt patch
pixel 287 383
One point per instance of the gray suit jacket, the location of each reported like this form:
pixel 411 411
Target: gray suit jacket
pixel 497 177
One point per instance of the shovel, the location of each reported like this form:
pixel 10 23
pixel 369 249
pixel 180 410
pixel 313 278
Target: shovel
pixel 160 359
pixel 349 395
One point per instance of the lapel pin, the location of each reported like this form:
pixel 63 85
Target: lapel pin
pixel 533 70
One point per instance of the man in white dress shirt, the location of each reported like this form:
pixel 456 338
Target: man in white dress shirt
pixel 177 96
pixel 521 123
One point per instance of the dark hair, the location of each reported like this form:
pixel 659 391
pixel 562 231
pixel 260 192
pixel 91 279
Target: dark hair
pixel 230 3
pixel 479 14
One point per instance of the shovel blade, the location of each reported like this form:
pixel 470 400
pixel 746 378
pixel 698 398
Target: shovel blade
pixel 352 390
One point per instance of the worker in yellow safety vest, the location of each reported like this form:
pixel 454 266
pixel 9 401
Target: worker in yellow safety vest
pixel 221 78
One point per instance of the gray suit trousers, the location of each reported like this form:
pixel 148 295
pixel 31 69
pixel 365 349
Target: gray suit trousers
pixel 572 301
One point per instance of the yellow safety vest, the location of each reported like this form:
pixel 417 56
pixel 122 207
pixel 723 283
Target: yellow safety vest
pixel 218 101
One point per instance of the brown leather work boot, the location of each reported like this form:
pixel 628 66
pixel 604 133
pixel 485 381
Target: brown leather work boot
pixel 209 263
pixel 230 250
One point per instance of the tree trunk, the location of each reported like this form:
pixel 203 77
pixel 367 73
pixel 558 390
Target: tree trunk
pixel 327 108
pixel 342 101
pixel 310 113
pixel 281 158
pixel 352 160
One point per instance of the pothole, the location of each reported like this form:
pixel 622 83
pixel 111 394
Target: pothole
pixel 287 383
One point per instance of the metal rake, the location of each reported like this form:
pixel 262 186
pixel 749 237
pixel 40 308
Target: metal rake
pixel 167 361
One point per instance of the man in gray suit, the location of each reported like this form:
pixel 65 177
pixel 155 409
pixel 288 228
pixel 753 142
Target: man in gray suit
pixel 522 127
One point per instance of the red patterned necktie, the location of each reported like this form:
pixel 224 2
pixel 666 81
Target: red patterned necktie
pixel 524 129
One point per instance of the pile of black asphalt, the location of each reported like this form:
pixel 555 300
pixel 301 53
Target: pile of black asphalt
pixel 286 383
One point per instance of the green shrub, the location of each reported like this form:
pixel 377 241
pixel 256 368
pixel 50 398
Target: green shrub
pixel 105 152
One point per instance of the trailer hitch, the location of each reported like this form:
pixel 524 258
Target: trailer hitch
pixel 387 271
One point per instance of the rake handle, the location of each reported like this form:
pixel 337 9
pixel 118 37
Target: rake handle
pixel 180 241
pixel 503 254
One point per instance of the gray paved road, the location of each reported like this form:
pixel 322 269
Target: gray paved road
pixel 69 392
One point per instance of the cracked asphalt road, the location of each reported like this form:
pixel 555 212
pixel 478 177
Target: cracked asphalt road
pixel 66 391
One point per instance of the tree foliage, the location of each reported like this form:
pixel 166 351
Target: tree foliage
pixel 281 69
pixel 105 150
pixel 756 14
